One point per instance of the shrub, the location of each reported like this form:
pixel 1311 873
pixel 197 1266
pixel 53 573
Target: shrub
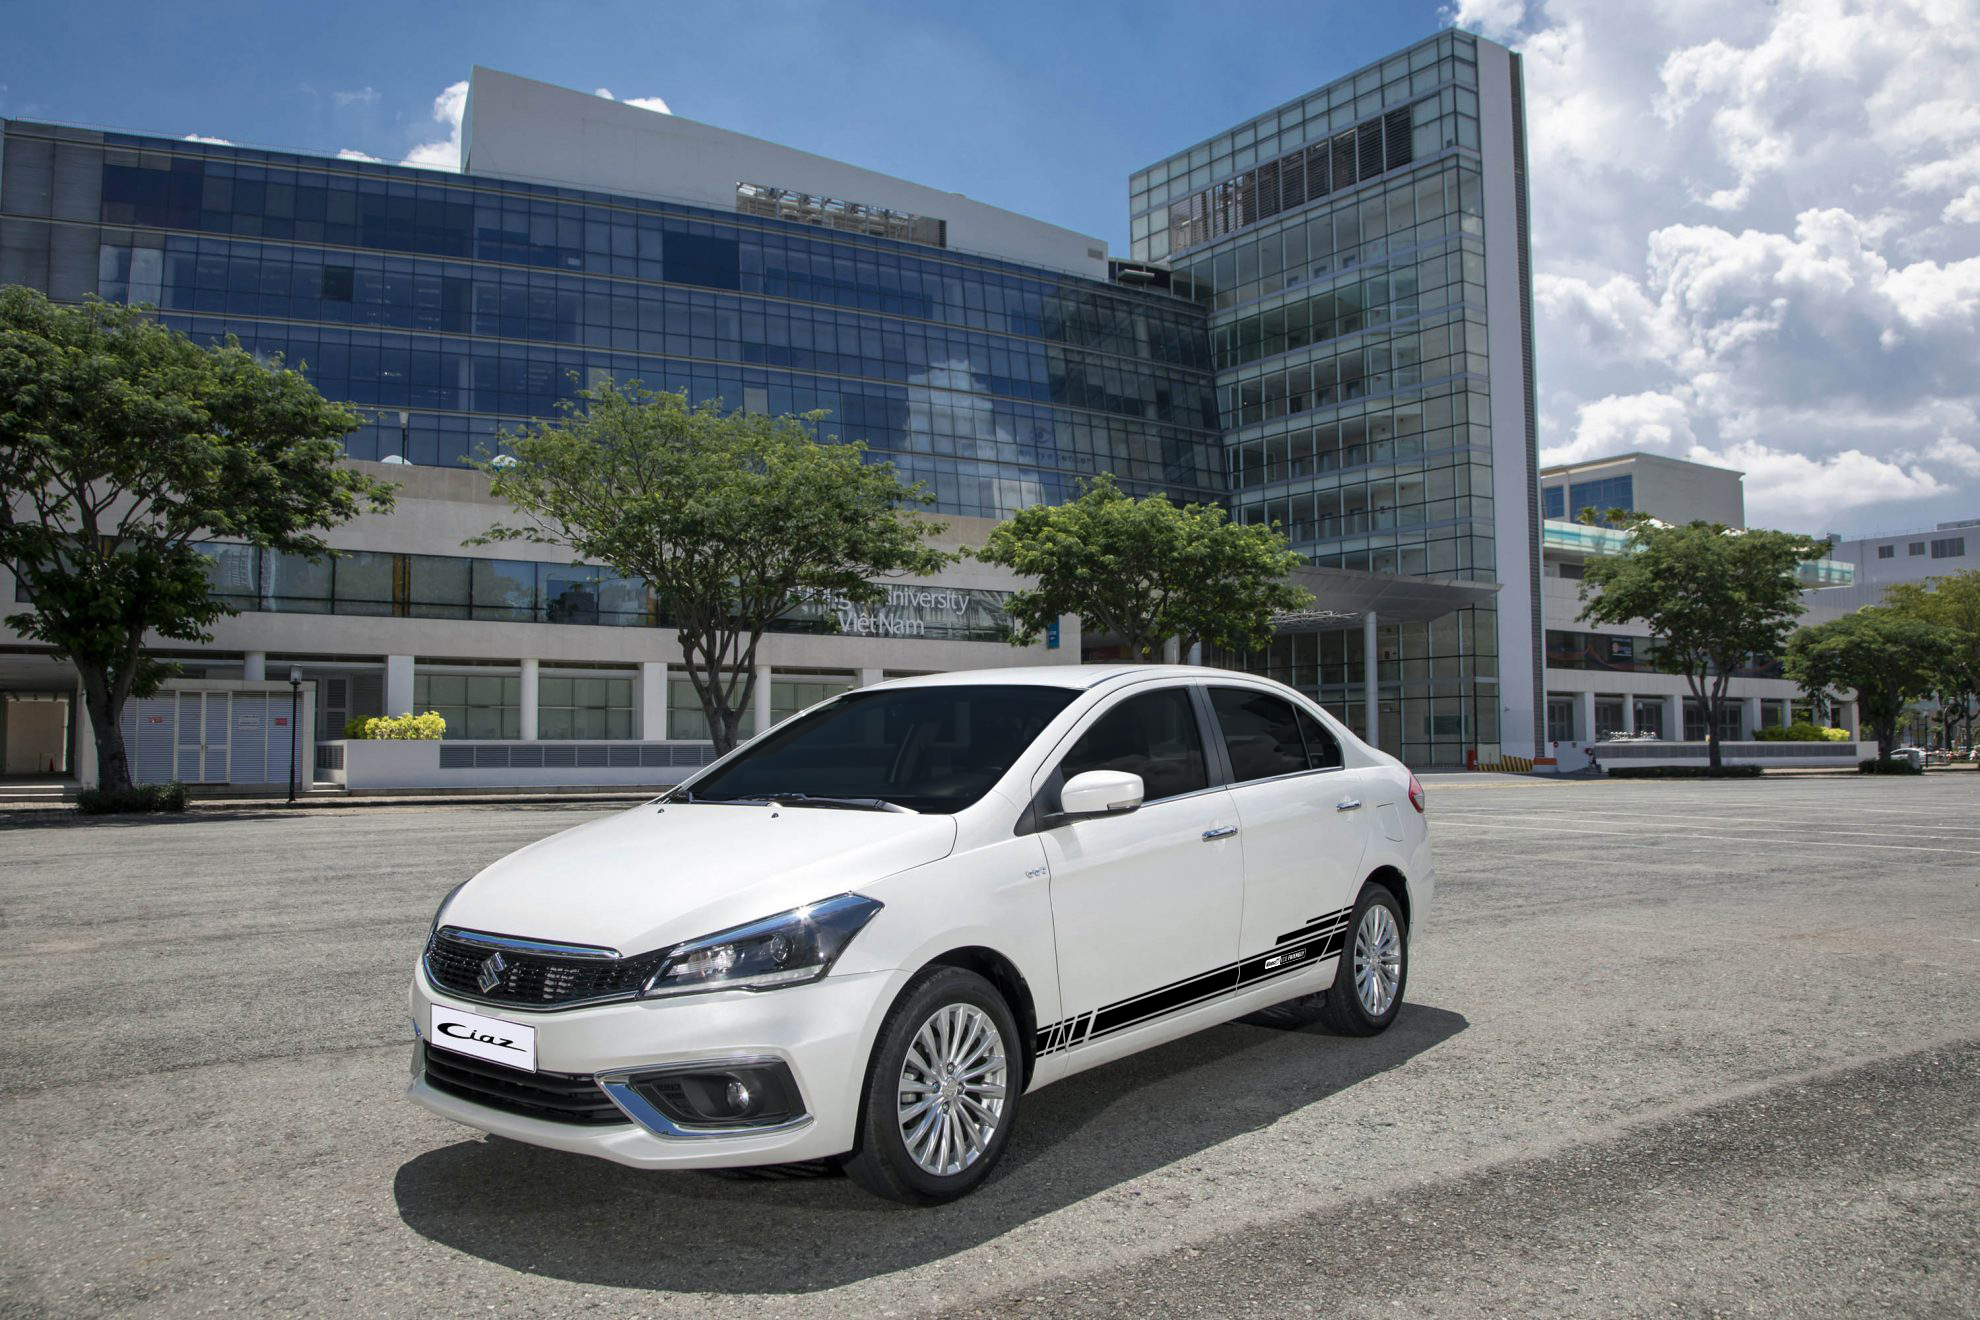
pixel 1802 731
pixel 402 728
pixel 1684 772
pixel 1888 766
pixel 355 728
pixel 135 799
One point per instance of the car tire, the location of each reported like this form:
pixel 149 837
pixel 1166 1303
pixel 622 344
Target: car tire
pixel 1374 969
pixel 934 1079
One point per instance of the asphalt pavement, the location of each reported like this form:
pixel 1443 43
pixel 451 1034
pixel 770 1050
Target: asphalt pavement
pixel 1671 1048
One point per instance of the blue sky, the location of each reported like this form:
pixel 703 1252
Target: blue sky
pixel 1042 108
pixel 1756 223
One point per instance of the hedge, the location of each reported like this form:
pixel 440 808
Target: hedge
pixel 1684 772
pixel 399 728
pixel 135 799
pixel 1897 765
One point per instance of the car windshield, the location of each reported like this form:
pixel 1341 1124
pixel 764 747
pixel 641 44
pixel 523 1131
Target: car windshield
pixel 933 749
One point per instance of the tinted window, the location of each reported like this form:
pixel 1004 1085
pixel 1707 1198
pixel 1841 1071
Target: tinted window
pixel 1261 733
pixel 934 749
pixel 1323 750
pixel 1154 736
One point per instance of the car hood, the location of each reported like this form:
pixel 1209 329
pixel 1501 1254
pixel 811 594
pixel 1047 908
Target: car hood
pixel 653 877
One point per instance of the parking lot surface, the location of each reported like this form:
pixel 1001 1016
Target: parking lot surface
pixel 1670 1048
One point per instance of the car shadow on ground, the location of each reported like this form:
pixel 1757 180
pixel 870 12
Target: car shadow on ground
pixel 591 1222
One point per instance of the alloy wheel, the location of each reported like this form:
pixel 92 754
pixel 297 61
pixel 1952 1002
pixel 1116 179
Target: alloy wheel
pixel 952 1089
pixel 1377 960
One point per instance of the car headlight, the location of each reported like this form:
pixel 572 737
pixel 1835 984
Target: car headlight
pixel 787 949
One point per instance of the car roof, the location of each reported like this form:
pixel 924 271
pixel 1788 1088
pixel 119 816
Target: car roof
pixel 1082 677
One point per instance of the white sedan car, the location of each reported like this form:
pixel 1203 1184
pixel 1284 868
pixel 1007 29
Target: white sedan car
pixel 869 932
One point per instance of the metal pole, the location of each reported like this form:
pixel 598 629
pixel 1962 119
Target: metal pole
pixel 295 732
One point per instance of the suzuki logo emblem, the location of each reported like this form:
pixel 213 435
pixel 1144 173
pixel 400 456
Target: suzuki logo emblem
pixel 491 973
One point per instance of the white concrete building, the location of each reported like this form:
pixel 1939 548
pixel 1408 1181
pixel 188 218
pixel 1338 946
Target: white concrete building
pixel 1601 679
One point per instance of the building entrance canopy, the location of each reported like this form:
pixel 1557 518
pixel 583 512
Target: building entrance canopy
pixel 1343 596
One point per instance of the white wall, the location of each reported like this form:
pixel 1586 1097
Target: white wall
pixel 1514 469
pixel 523 129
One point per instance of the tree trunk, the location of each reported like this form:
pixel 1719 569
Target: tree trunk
pixel 113 766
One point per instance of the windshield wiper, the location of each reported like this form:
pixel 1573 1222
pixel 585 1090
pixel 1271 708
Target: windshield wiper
pixel 813 800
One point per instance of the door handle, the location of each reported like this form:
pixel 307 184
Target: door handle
pixel 1221 832
pixel 1348 804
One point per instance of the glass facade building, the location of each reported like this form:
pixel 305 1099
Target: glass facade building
pixel 447 307
pixel 1339 246
pixel 1326 325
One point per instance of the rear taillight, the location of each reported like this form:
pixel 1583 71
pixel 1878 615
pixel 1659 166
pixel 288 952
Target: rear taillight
pixel 1416 794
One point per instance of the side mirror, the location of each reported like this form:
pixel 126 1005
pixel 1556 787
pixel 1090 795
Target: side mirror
pixel 1098 793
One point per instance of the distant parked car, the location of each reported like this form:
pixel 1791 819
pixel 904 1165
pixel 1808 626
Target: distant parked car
pixel 1915 755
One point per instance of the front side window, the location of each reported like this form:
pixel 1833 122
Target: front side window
pixel 1154 736
pixel 933 749
pixel 1261 733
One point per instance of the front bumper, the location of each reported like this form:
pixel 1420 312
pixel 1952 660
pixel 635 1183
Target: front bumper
pixel 823 1031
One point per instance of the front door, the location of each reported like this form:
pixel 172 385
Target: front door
pixel 1305 828
pixel 1146 904
pixel 203 741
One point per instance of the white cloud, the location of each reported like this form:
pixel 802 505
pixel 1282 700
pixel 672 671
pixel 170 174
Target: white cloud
pixel 215 141
pixel 352 153
pixel 1955 453
pixel 653 103
pixel 1651 422
pixel 1497 19
pixel 362 96
pixel 1750 224
pixel 1785 488
pixel 444 154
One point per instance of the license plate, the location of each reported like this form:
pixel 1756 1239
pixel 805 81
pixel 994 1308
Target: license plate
pixel 507 1043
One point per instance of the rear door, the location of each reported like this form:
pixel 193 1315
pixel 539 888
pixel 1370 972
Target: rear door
pixel 1303 827
pixel 1146 904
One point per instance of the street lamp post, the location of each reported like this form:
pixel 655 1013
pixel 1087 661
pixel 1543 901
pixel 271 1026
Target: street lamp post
pixel 405 436
pixel 295 730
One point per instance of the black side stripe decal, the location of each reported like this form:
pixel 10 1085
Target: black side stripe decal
pixel 1318 941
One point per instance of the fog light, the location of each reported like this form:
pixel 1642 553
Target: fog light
pixel 741 1095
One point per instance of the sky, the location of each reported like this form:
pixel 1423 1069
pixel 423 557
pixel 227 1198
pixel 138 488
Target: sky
pixel 1756 223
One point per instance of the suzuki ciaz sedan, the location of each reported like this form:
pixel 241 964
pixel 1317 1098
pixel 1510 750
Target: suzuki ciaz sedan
pixel 868 933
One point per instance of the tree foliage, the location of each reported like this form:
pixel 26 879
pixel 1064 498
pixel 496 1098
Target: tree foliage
pixel 1951 602
pixel 1887 656
pixel 734 519
pixel 123 447
pixel 1712 595
pixel 1146 570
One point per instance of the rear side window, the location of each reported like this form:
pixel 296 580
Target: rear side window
pixel 1323 749
pixel 1154 736
pixel 1267 735
pixel 1261 732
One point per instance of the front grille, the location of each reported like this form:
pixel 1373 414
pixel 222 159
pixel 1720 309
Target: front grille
pixel 558 1097
pixel 534 980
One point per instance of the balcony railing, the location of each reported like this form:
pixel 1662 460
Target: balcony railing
pixel 1583 539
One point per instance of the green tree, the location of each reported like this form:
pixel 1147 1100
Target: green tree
pixel 1713 596
pixel 123 447
pixel 1146 570
pixel 734 519
pixel 1951 602
pixel 1888 657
